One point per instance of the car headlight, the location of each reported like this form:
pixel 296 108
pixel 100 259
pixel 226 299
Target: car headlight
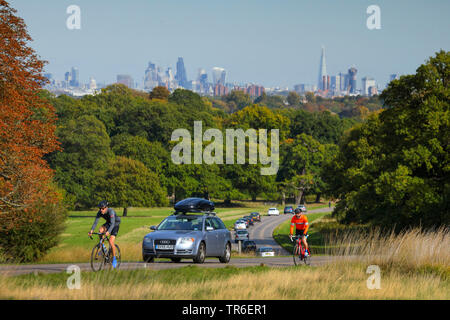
pixel 186 241
pixel 148 240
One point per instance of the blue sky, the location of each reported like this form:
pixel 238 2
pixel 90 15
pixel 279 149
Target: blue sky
pixel 270 42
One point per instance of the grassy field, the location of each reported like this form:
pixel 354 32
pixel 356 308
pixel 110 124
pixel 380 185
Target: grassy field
pixel 336 281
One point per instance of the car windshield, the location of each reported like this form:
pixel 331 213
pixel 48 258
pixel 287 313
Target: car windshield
pixel 242 232
pixel 181 223
pixel 266 249
pixel 273 209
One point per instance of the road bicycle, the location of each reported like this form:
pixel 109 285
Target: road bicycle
pixel 298 254
pixel 102 256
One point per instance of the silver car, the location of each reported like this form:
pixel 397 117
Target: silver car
pixel 241 235
pixel 188 236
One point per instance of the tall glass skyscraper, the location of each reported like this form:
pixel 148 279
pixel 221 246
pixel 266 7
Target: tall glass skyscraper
pixel 181 76
pixel 75 79
pixel 219 75
pixel 352 79
pixel 322 71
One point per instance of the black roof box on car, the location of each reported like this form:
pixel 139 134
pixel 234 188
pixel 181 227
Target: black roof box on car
pixel 194 205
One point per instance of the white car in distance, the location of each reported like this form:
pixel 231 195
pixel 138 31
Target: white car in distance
pixel 273 212
pixel 240 225
pixel 265 252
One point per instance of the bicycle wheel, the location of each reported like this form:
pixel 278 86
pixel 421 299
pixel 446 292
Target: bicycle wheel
pixel 307 259
pixel 118 256
pixel 296 255
pixel 97 258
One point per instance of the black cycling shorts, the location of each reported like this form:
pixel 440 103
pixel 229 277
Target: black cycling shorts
pixel 114 231
pixel 300 233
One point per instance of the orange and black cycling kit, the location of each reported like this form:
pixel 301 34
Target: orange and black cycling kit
pixel 301 225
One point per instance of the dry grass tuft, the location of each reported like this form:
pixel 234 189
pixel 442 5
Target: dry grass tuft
pixel 410 250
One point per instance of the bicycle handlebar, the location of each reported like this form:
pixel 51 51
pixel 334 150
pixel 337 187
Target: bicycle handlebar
pixel 98 233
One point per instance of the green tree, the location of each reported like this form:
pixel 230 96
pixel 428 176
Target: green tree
pixel 300 166
pixel 293 99
pixel 152 154
pixel 127 183
pixel 237 100
pixel 322 126
pixel 394 169
pixel 86 146
pixel 160 92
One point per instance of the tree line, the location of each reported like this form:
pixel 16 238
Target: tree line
pixel 116 145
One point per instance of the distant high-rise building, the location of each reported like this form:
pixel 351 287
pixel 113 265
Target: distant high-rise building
pixel 372 91
pixel 169 74
pixel 366 84
pixel 126 80
pixel 322 71
pixel 202 81
pixel 299 88
pixel 352 80
pixel 252 90
pixel 181 75
pixel 151 77
pixel 220 90
pixel 219 76
pixel 393 77
pixel 92 84
pixel 75 77
pixel 342 86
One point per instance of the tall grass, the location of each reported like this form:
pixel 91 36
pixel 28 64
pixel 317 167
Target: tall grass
pixel 338 281
pixel 410 250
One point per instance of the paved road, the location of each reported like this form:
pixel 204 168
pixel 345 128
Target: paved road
pixel 261 233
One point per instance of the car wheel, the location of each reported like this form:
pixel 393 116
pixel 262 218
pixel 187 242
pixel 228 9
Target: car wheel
pixel 201 254
pixel 176 260
pixel 149 259
pixel 226 255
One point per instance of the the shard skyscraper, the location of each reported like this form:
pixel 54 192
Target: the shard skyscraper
pixel 322 71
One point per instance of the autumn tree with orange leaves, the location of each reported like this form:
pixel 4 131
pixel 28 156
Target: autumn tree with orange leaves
pixel 27 133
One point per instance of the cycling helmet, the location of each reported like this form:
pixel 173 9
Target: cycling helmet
pixel 297 210
pixel 103 204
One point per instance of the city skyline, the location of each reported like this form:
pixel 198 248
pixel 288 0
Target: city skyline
pixel 272 44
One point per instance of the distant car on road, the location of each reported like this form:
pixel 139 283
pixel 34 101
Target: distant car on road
pixel 240 225
pixel 288 209
pixel 250 220
pixel 248 245
pixel 265 252
pixel 256 216
pixel 302 207
pixel 273 212
pixel 192 232
pixel 241 235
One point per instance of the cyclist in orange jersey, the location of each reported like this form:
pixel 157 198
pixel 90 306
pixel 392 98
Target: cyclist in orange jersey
pixel 300 222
